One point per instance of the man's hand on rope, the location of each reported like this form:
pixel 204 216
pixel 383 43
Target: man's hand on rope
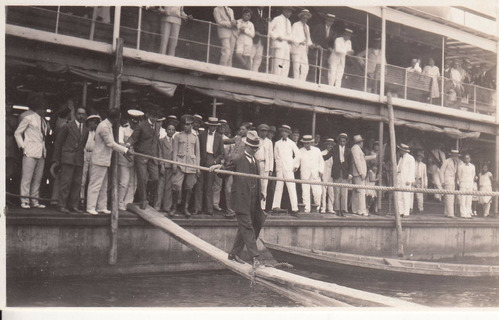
pixel 215 167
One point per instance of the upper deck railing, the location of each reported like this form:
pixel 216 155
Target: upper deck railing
pixel 198 40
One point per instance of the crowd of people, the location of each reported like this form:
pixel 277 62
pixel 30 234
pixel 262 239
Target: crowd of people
pixel 83 147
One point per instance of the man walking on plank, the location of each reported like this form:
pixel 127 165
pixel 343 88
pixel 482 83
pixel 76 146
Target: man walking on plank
pixel 246 196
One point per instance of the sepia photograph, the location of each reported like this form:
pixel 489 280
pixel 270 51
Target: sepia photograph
pixel 241 156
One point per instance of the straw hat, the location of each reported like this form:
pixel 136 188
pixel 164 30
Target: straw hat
pixel 93 117
pixel 329 141
pixel 348 32
pixel 305 12
pixel 343 135
pixel 329 16
pixel 404 147
pixel 357 139
pixel 135 113
pixel 455 152
pixel 307 139
pixel 285 127
pixel 252 139
pixel 198 118
pixel 212 121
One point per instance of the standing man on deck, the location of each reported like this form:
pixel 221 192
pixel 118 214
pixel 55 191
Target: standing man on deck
pixel 227 31
pixel 420 181
pixel 225 131
pixel 265 160
pixel 448 172
pixel 260 22
pixel 301 41
pixel 341 172
pixel 287 157
pixel 186 149
pixel 359 171
pixel 92 122
pixel 342 47
pixel 405 179
pixel 466 177
pixel 280 31
pixel 327 195
pixel 69 154
pixel 246 195
pixel 312 167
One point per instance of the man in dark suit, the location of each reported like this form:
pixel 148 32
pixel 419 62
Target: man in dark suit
pixel 145 140
pixel 68 154
pixel 246 197
pixel 260 21
pixel 341 172
pixel 211 152
pixel 322 33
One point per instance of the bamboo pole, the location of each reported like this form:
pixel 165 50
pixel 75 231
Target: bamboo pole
pixel 392 135
pixel 117 88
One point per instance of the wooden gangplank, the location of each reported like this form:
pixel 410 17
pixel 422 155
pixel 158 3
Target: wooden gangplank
pixel 308 292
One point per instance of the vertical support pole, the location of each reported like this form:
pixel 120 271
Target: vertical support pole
pixel 139 29
pixel 116 26
pixel 475 98
pixel 320 63
pixel 406 84
pixel 314 124
pixel 317 61
pixel 383 54
pixel 268 39
pixel 392 134
pixel 208 42
pixel 214 108
pixel 457 144
pixel 442 70
pixel 92 25
pixel 57 19
pixel 380 160
pixel 84 93
pixel 366 48
pixel 116 93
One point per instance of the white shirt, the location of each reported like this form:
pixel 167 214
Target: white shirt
pixel 466 173
pixel 89 146
pixel 210 142
pixel 406 170
pixel 341 153
pixel 327 31
pixel 300 35
pixel 286 154
pixel 311 163
pixel 79 125
pixel 30 135
pixel 265 153
pixel 249 158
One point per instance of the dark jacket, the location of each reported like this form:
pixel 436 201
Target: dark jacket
pixel 145 139
pixel 259 24
pixel 218 148
pixel 167 150
pixel 340 170
pixel 70 143
pixel 243 188
pixel 318 35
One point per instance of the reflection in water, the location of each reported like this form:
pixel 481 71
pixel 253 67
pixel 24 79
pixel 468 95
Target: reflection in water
pixel 225 289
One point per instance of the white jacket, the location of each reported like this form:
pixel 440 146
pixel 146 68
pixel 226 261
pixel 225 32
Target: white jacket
pixel 300 34
pixel 223 16
pixel 286 155
pixel 280 27
pixel 466 174
pixel 311 163
pixel 342 47
pixel 448 172
pixel 406 170
pixel 327 173
pixel 266 154
pixel 421 174
pixel 30 136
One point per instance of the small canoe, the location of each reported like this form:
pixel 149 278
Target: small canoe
pixel 355 264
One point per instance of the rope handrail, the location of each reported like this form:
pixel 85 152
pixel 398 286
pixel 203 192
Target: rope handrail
pixel 326 184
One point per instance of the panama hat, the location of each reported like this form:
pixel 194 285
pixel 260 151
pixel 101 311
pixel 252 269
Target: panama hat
pixel 329 16
pixel 198 118
pixel 285 127
pixel 252 139
pixel 305 12
pixel 403 147
pixel 357 139
pixel 93 117
pixel 343 135
pixel 454 152
pixel 263 127
pixel 348 32
pixel 212 121
pixel 329 141
pixel 307 139
pixel 222 121
pixel 135 113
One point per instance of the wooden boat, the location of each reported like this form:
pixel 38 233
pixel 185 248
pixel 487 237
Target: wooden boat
pixel 360 265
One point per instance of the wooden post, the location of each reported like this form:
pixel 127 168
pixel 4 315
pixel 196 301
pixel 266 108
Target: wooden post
pixel 383 54
pixel 117 88
pixel 268 50
pixel 214 108
pixel 116 26
pixel 57 18
pixel 380 160
pixel 442 70
pixel 314 124
pixel 139 29
pixel 366 47
pixel 392 134
pixel 92 26
pixel 208 41
pixel 84 93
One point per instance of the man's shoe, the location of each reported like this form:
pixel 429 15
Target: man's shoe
pixel 63 210
pixel 236 258
pixel 75 210
pixel 230 214
pixel 92 212
pixel 217 208
pixel 294 213
pixel 25 206
pixel 187 213
pixel 255 263
pixel 278 210
pixel 122 208
pixel 39 206
pixel 105 211
pixel 143 205
pixel 210 213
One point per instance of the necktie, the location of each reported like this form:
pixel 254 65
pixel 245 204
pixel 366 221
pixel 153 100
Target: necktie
pixel 226 10
pixel 80 128
pixel 260 13
pixel 327 31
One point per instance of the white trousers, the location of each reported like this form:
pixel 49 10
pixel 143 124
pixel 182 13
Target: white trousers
pixel 227 190
pixel 341 194
pixel 336 72
pixel 85 173
pixel 306 193
pixel 290 186
pixel 358 197
pixel 281 61
pixel 465 200
pixel 97 192
pixel 256 55
pixel 449 201
pixel 31 177
pixel 327 195
pixel 420 200
pixel 263 183
pixel 127 185
pixel 226 55
pixel 169 37
pixel 300 64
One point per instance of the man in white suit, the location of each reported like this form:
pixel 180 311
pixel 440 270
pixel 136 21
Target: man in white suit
pixel 301 41
pixel 466 177
pixel 280 31
pixel 336 61
pixel 97 193
pixel 359 171
pixel 328 194
pixel 421 181
pixel 30 137
pixel 287 157
pixel 312 167
pixel 228 32
pixel 448 172
pixel 265 159
pixel 405 178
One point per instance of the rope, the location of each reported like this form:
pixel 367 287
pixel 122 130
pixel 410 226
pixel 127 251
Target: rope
pixel 326 184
